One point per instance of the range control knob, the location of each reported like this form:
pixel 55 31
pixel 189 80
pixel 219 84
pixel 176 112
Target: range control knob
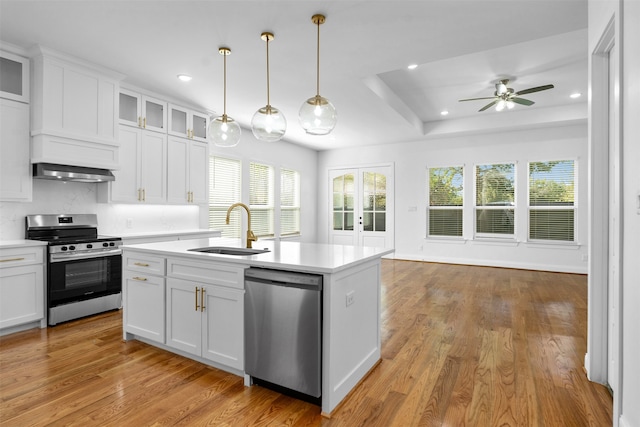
pixel 112 244
pixel 72 248
pixel 105 244
pixel 89 246
pixel 64 248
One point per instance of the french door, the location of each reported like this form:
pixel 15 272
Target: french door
pixel 361 207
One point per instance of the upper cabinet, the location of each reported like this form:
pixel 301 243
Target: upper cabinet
pixel 15 168
pixel 188 123
pixel 74 112
pixel 142 111
pixel 14 77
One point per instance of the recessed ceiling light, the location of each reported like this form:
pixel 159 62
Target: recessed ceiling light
pixel 444 112
pixel 412 66
pixel 184 77
pixel 575 95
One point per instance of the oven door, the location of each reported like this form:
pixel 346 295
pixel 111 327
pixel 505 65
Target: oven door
pixel 77 279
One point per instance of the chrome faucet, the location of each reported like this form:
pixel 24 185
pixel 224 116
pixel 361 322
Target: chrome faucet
pixel 250 236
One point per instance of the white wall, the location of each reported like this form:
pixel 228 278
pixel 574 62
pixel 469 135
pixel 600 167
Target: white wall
pixel 277 154
pixel 411 160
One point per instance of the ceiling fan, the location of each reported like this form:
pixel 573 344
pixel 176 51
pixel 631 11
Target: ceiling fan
pixel 505 97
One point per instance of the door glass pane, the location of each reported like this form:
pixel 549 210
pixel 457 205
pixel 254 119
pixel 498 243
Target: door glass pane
pixel 381 182
pixel 128 108
pixel 199 126
pixel 348 183
pixel 178 121
pixel 367 221
pixel 338 184
pixel 367 202
pixel 337 202
pixel 337 221
pixel 381 224
pixel 10 76
pixel 154 114
pixel 381 202
pixel 368 181
pixel 348 202
pixel 348 221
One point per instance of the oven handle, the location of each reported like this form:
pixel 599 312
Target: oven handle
pixel 61 257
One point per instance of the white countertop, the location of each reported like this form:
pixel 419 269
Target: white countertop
pixel 161 233
pixel 295 256
pixel 21 243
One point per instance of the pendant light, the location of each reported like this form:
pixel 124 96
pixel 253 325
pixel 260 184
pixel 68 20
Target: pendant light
pixel 268 123
pixel 317 114
pixel 223 130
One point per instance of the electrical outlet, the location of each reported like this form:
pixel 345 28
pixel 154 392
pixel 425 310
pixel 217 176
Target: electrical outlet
pixel 129 222
pixel 350 298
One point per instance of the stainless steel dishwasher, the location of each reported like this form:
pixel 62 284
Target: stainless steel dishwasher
pixel 283 329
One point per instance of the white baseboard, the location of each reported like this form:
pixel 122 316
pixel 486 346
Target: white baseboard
pixel 622 422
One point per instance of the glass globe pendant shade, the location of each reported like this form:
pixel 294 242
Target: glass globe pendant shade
pixel 317 116
pixel 268 124
pixel 224 131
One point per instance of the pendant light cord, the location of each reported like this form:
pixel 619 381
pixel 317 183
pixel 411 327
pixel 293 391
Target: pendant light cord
pixel 268 104
pixel 318 62
pixel 224 114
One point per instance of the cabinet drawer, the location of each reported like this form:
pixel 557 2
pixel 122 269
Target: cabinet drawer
pixel 231 276
pixel 12 257
pixel 144 264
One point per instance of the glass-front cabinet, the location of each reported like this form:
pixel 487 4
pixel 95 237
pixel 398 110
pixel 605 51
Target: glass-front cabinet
pixel 14 77
pixel 188 123
pixel 142 111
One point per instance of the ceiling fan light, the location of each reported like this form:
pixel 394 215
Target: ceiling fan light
pixel 500 105
pixel 224 131
pixel 510 104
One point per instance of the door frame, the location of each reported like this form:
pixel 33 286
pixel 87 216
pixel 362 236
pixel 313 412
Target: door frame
pixel 328 186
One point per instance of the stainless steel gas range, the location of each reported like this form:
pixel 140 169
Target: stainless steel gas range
pixel 84 270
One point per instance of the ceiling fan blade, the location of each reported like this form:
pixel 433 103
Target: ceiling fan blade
pixel 475 99
pixel 488 105
pixel 534 89
pixel 522 101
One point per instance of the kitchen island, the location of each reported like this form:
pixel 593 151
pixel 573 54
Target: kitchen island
pixel 192 303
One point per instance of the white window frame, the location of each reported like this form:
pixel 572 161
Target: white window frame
pixel 451 207
pixel 514 207
pixel 295 207
pixel 233 229
pixel 268 207
pixel 547 208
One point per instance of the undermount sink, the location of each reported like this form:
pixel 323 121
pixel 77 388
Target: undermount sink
pixel 225 250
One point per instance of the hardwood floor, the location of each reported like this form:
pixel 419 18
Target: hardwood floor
pixel 461 346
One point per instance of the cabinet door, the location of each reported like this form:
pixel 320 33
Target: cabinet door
pixel 154 114
pixel 223 326
pixel 184 316
pixel 126 186
pixel 130 108
pixel 15 166
pixel 197 168
pixel 21 295
pixel 144 301
pixel 199 126
pixel 177 171
pixel 179 121
pixel 153 167
pixel 14 77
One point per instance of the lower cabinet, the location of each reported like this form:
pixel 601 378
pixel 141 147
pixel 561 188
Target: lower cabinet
pixel 206 320
pixel 144 302
pixel 21 287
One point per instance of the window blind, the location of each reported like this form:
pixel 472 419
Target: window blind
pixel 261 197
pixel 444 214
pixel 224 190
pixel 289 202
pixel 495 197
pixel 552 200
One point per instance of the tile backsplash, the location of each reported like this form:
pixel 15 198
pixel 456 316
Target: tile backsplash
pixel 54 197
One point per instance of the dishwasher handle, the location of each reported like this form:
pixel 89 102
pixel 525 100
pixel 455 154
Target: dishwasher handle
pixel 289 279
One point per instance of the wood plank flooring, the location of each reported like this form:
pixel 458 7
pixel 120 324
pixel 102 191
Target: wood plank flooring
pixel 461 346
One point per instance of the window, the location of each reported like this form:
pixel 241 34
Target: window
pixel 551 201
pixel 224 190
pixel 261 199
pixel 289 202
pixel 444 214
pixel 495 196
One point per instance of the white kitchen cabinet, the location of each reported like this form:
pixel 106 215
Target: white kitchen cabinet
pixel 206 321
pixel 142 111
pixel 187 168
pixel 74 112
pixel 188 123
pixel 142 177
pixel 14 77
pixel 15 166
pixel 143 297
pixel 21 288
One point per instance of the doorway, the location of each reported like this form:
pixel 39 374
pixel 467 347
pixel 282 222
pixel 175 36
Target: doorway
pixel 361 210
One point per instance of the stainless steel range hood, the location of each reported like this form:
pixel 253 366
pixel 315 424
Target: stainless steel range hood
pixel 71 173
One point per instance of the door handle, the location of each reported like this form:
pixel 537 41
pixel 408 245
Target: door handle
pixel 197 306
pixel 141 279
pixel 202 291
